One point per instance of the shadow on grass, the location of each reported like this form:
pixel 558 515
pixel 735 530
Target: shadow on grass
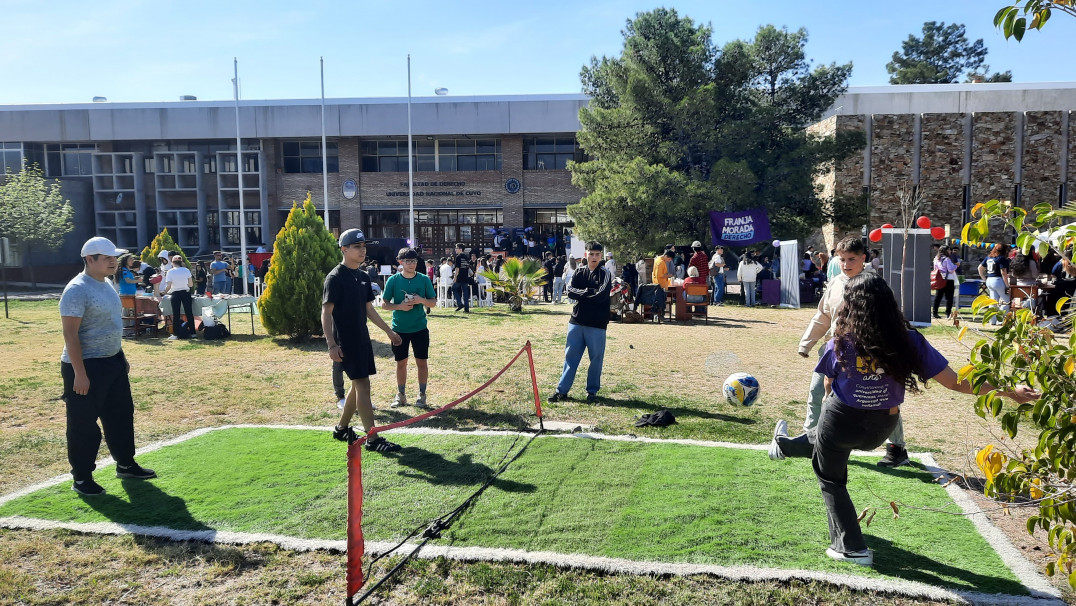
pixel 462 417
pixel 894 561
pixel 440 471
pixel 913 471
pixel 146 505
pixel 678 410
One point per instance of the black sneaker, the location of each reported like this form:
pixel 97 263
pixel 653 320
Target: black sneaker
pixel 88 488
pixel 379 444
pixel 592 398
pixel 345 434
pixel 895 456
pixel 134 471
pixel 558 397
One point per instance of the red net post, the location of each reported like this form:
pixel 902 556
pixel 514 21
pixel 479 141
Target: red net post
pixel 355 544
pixel 534 380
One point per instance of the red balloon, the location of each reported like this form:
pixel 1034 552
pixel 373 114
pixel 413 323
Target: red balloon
pixel 938 233
pixel 875 235
pixel 887 226
pixel 923 222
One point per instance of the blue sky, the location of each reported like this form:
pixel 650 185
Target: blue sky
pixel 64 51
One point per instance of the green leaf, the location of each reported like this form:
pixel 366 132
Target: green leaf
pixel 1000 15
pixel 1018 29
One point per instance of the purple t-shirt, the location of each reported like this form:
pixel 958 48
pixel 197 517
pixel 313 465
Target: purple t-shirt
pixel 870 389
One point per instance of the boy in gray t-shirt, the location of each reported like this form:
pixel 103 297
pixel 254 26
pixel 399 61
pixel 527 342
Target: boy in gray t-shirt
pixel 95 371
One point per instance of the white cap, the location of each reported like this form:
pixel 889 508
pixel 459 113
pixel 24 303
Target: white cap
pixel 101 246
pixel 164 254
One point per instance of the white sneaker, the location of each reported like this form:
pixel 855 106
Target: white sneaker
pixel 421 401
pixel 399 400
pixel 863 558
pixel 341 403
pixel 173 338
pixel 780 430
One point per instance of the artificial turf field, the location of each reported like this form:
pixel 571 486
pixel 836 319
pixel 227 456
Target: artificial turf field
pixel 634 500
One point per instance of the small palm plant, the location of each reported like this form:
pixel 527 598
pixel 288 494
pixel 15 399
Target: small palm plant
pixel 517 278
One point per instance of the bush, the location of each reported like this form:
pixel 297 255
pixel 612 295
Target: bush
pixel 304 252
pixel 163 241
pixel 516 280
pixel 1022 351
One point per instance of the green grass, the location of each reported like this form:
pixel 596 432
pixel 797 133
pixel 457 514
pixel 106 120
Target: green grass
pixel 639 501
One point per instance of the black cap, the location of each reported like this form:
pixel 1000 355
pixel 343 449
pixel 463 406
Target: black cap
pixel 352 236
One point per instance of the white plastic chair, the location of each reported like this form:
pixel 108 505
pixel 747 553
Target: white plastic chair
pixel 444 294
pixel 257 287
pixel 485 295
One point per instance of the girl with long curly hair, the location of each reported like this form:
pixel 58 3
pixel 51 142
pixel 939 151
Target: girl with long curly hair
pixel 874 357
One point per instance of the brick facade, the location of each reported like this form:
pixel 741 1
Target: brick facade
pixel 944 149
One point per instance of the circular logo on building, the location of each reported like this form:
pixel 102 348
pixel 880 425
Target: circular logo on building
pixel 349 189
pixel 512 186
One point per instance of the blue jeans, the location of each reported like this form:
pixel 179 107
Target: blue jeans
pixel 220 287
pixel 462 294
pixel 580 338
pixel 719 288
pixel 748 293
pixel 558 289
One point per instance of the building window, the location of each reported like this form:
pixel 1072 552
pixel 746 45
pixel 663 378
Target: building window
pixel 10 158
pixel 231 227
pixel 305 156
pixel 69 159
pixel 442 155
pixel 437 231
pixel 551 153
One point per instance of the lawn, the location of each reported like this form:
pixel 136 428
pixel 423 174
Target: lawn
pixel 180 387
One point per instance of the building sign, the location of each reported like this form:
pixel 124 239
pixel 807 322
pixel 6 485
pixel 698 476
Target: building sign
pixel 451 188
pixel 349 189
pixel 512 186
pixel 739 228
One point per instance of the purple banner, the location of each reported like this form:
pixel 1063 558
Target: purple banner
pixel 739 228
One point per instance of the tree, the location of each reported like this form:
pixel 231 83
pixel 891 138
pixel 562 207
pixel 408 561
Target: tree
pixel 163 241
pixel 34 213
pixel 941 56
pixel 676 128
pixel 516 280
pixel 1012 19
pixel 1024 351
pixel 304 252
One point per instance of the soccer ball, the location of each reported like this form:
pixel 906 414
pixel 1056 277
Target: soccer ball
pixel 741 389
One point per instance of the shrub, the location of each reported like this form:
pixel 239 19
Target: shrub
pixel 516 280
pixel 1023 351
pixel 303 253
pixel 163 241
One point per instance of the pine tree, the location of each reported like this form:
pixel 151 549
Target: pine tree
pixel 304 251
pixel 163 241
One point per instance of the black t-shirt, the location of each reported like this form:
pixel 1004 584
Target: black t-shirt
pixel 463 264
pixel 349 291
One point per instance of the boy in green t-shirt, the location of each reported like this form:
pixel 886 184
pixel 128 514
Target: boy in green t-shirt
pixel 408 294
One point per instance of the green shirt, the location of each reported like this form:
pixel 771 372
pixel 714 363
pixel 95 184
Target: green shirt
pixel 397 287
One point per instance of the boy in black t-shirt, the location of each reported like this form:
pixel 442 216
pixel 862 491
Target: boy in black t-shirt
pixel 461 280
pixel 346 303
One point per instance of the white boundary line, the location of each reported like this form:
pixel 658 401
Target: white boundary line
pixel 1042 593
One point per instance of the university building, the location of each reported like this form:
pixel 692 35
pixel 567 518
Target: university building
pixel 131 169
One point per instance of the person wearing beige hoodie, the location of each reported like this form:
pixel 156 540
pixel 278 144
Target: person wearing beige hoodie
pixel 852 257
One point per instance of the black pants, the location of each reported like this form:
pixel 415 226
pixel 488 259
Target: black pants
pixel 338 380
pixel 842 429
pixel 109 399
pixel 547 289
pixel 947 292
pixel 182 297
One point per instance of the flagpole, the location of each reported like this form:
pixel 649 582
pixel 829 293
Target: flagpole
pixel 239 167
pixel 324 149
pixel 410 159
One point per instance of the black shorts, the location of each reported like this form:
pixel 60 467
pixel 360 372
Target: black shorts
pixel 419 341
pixel 358 361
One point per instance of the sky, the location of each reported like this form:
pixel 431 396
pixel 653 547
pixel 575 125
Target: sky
pixel 64 51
